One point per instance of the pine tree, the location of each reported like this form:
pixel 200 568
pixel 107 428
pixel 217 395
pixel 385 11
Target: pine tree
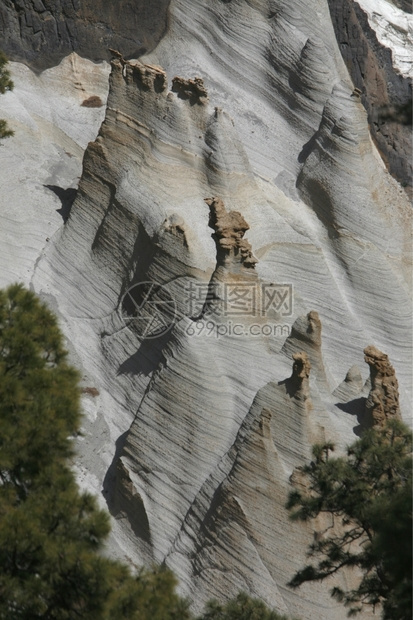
pixel 368 496
pixel 242 607
pixel 51 534
pixel 5 85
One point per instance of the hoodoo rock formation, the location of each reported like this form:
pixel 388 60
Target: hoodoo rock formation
pixel 299 380
pixel 193 90
pixel 306 336
pixel 383 400
pixel 195 429
pixel 229 232
pixel 308 330
pixel 150 77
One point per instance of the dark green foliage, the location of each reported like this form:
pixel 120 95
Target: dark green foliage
pixel 5 132
pixel 150 597
pixel 397 114
pixel 50 533
pixel 5 80
pixel 5 85
pixel 241 608
pixel 368 496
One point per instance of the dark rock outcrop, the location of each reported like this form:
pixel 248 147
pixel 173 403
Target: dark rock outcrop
pixel 42 32
pixel 193 90
pixel 370 66
pixel 148 77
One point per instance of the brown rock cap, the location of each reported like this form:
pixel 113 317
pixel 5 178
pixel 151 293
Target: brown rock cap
pixel 383 400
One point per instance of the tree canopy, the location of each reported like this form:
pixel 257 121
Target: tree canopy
pixel 5 85
pixel 242 607
pixel 368 495
pixel 52 535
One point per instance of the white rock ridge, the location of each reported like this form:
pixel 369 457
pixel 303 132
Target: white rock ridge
pixel 394 29
pixel 244 107
pixel 41 165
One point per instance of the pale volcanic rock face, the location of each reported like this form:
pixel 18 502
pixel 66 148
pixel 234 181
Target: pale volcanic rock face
pixel 233 219
pixel 42 164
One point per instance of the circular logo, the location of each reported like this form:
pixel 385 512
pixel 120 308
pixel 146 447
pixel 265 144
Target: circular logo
pixel 149 308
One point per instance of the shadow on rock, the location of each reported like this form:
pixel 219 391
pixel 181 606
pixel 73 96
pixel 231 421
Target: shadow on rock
pixel 122 498
pixel 66 197
pixel 357 407
pixel 110 477
pixel 147 358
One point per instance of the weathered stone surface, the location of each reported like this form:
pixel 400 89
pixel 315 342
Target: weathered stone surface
pixel 41 165
pixel 392 21
pixel 150 77
pixel 194 433
pixel 42 33
pixel 371 69
pixel 229 232
pixel 383 400
pixel 116 238
pixel 242 520
pixel 299 382
pixel 351 386
pixel 305 336
pixel 193 90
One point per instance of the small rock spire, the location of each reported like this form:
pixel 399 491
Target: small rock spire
pixel 230 228
pixel 299 380
pixel 192 90
pixel 383 400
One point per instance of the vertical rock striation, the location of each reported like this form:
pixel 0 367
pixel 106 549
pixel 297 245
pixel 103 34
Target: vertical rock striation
pixel 351 386
pixel 234 535
pixel 195 432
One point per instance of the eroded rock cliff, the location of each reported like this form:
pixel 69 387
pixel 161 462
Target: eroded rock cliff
pixel 42 32
pixel 199 420
pixel 382 86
